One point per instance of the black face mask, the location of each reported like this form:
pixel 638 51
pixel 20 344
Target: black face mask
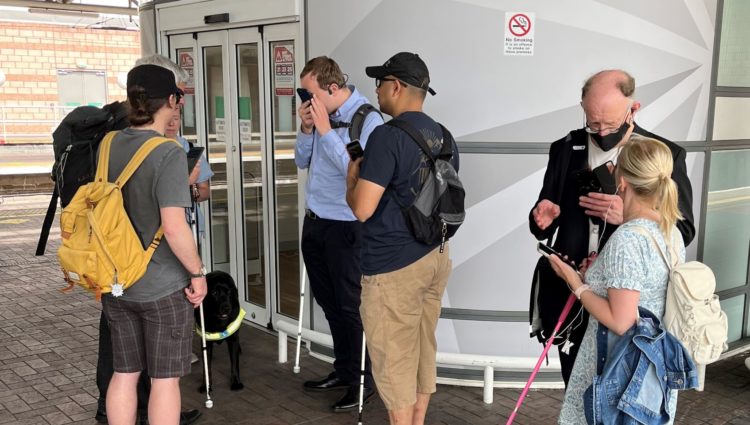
pixel 612 139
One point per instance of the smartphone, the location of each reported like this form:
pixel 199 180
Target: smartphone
pixel 303 94
pixel 193 155
pixel 606 179
pixel 547 251
pixel 355 150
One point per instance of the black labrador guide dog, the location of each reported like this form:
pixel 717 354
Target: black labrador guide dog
pixel 221 308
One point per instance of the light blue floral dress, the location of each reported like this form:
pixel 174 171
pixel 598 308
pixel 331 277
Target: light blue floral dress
pixel 629 260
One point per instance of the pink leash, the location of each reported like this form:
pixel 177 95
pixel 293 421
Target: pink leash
pixel 563 315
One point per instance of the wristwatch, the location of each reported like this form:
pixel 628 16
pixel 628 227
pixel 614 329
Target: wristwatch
pixel 200 273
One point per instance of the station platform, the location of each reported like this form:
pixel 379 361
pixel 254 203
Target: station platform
pixel 49 343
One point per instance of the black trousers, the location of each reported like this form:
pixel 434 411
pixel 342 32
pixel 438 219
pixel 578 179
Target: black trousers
pixel 331 250
pixel 105 368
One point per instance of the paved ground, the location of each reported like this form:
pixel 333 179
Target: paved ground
pixel 49 344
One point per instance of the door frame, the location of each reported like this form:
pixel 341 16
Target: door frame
pixel 228 39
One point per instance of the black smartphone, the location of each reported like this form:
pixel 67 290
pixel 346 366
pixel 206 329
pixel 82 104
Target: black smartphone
pixel 355 150
pixel 303 94
pixel 606 178
pixel 193 155
pixel 546 250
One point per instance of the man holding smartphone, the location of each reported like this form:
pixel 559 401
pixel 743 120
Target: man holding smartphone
pixel 331 234
pixel 584 219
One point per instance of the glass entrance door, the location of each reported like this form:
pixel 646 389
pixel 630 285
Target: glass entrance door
pixel 245 108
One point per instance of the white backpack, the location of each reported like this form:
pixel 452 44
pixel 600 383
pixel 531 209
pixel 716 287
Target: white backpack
pixel 693 313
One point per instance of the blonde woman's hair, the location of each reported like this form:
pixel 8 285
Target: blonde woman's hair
pixel 646 164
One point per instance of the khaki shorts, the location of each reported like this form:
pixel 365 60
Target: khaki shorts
pixel 399 312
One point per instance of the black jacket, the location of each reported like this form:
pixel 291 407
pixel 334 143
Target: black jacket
pixel 573 237
pixel 549 292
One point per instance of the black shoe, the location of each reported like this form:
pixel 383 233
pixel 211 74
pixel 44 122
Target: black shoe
pixel 329 383
pixel 101 412
pixel 350 400
pixel 187 417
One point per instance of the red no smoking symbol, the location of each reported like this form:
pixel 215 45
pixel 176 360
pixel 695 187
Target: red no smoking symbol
pixel 519 25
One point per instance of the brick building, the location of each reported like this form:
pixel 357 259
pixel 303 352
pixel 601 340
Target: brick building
pixel 50 68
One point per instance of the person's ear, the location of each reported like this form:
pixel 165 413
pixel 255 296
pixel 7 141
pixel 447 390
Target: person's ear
pixel 622 185
pixel 634 108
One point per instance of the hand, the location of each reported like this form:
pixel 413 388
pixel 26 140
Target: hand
pixel 586 263
pixel 320 116
pixel 352 173
pixel 602 205
pixel 196 291
pixel 545 213
pixel 305 113
pixel 195 173
pixel 566 272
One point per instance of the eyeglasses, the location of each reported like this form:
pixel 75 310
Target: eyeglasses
pixel 608 130
pixel 379 81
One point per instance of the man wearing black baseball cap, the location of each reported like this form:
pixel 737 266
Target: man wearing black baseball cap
pixel 403 279
pixel 406 67
pixel 151 322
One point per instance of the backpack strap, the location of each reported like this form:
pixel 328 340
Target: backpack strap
pixel 102 167
pixel 642 230
pixel 415 135
pixel 139 157
pixel 48 218
pixel 358 121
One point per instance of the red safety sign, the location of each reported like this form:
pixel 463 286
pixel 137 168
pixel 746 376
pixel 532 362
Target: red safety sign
pixel 519 25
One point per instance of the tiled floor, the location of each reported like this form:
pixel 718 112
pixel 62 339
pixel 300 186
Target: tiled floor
pixel 49 344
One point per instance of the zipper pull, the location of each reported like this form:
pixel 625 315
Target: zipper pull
pixel 443 232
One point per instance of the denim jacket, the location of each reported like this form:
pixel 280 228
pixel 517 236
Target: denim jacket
pixel 633 382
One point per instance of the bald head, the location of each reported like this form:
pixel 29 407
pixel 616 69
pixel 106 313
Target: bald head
pixel 608 80
pixel 609 108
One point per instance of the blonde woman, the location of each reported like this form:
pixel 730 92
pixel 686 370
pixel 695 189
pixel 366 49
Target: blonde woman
pixel 629 272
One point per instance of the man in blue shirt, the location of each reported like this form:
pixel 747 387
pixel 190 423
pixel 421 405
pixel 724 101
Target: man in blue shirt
pixel 331 235
pixel 404 279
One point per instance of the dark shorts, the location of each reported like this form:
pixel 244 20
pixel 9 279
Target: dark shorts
pixel 155 336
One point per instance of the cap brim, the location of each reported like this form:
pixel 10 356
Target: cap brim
pixel 376 71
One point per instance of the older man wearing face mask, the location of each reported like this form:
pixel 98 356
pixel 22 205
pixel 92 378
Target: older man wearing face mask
pixel 585 220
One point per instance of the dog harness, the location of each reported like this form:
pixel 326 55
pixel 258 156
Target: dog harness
pixel 231 329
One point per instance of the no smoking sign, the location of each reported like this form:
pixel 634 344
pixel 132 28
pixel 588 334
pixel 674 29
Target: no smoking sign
pixel 519 25
pixel 519 33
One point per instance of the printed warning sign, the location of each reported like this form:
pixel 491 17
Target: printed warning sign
pixel 519 33
pixel 283 70
pixel 185 60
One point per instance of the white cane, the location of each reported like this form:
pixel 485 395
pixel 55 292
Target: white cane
pixel 301 310
pixel 362 377
pixel 194 227
pixel 209 402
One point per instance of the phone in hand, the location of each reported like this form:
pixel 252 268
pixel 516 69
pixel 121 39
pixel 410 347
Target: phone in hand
pixel 355 150
pixel 606 178
pixel 303 94
pixel 546 251
pixel 193 156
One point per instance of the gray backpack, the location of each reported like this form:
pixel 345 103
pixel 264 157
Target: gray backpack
pixel 438 210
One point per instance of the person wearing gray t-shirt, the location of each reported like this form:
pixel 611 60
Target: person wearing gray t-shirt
pixel 151 323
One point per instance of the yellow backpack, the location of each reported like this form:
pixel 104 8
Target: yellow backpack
pixel 100 248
